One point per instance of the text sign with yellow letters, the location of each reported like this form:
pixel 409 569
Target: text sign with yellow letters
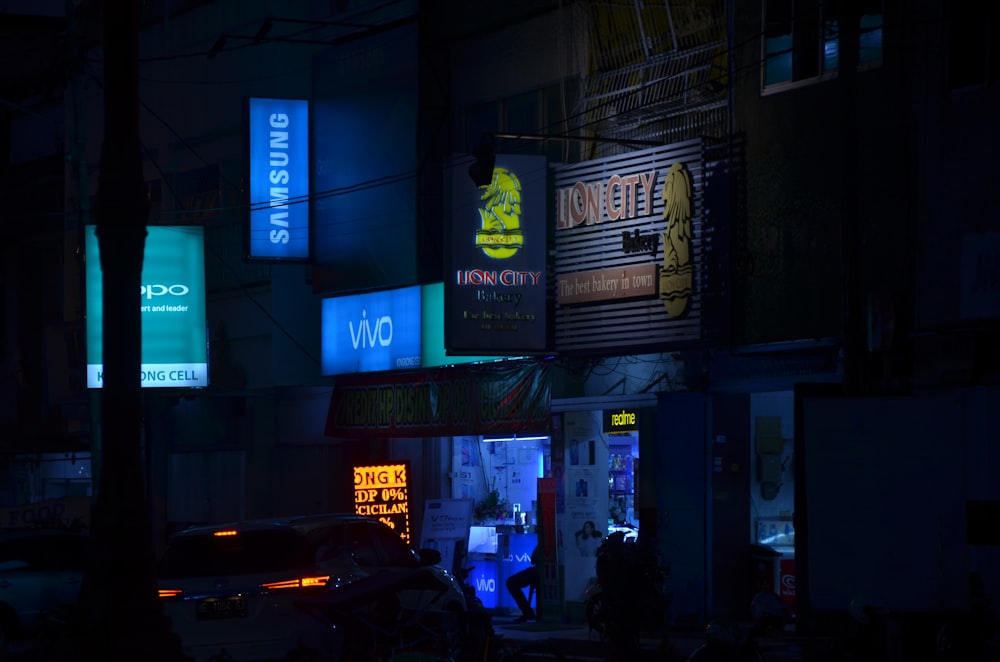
pixel 381 492
pixel 620 420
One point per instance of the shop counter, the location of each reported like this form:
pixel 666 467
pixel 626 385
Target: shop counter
pixel 511 553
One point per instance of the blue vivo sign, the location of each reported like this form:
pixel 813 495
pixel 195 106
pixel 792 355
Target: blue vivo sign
pixel 372 331
pixel 484 579
pixel 279 179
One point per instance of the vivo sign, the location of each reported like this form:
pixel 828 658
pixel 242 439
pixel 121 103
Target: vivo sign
pixel 279 179
pixel 370 334
pixel 372 331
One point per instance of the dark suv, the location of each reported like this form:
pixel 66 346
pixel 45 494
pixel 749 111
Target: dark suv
pixel 236 589
pixel 41 571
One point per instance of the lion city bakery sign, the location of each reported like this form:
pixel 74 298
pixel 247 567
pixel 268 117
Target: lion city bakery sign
pixel 627 250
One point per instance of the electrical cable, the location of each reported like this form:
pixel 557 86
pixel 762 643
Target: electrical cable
pixel 235 274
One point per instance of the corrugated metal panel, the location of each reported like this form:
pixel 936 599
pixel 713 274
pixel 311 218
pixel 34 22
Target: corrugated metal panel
pixel 625 325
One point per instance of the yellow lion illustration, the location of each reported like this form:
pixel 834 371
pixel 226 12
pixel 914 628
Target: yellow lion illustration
pixel 500 236
pixel 677 275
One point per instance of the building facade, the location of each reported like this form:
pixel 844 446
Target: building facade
pixel 802 280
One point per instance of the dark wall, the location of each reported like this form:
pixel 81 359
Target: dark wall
pixel 830 169
pixel 730 468
pixel 674 459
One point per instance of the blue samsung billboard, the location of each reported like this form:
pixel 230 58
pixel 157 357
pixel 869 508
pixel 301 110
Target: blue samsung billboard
pixel 370 332
pixel 279 179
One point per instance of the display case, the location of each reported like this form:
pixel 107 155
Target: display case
pixel 622 465
pixel 621 471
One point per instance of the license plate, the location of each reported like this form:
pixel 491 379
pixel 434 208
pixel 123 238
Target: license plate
pixel 216 608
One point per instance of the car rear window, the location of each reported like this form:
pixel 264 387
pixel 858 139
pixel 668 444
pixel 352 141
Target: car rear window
pixel 249 552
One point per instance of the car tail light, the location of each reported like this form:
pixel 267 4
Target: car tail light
pixel 170 592
pixel 297 583
pixel 225 532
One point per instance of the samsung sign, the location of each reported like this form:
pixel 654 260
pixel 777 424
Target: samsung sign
pixel 171 300
pixel 372 331
pixel 279 179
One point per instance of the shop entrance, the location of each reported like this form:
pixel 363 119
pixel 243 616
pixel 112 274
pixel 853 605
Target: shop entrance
pixel 500 475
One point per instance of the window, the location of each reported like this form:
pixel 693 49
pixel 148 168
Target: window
pixel 250 552
pixel 45 551
pixel 535 113
pixel 802 39
pixel 974 44
pixel 377 545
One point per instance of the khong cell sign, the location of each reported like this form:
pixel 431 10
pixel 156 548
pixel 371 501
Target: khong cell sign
pixel 371 331
pixel 279 179
pixel 171 299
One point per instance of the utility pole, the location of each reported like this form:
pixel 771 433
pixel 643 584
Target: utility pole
pixel 852 231
pixel 120 616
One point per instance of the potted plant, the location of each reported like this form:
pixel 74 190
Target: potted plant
pixel 491 507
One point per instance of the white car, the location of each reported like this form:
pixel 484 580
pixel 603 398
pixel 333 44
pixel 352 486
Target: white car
pixel 41 571
pixel 235 591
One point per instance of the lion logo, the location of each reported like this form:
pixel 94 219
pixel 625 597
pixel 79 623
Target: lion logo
pixel 500 236
pixel 677 274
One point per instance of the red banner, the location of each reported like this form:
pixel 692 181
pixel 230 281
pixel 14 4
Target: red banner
pixel 491 398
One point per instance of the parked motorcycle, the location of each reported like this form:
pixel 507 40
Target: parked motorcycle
pixel 725 641
pixel 628 597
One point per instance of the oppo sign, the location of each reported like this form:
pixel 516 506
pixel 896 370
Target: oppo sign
pixel 372 331
pixel 171 300
pixel 150 291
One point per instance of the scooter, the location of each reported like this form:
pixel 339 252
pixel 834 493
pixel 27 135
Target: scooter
pixel 725 641
pixel 628 597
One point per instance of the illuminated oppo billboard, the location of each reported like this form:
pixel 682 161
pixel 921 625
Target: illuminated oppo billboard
pixel 279 179
pixel 370 332
pixel 171 299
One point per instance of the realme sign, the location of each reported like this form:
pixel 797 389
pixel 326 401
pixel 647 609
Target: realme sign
pixel 621 420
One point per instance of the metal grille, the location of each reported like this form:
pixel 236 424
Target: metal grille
pixel 656 70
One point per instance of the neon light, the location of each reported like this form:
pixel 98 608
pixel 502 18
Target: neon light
pixel 296 583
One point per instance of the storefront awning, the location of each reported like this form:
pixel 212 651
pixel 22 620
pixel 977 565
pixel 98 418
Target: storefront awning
pixel 475 399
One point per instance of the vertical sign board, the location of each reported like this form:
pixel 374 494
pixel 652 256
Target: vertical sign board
pixel 279 179
pixel 371 332
pixel 171 298
pixel 550 586
pixel 380 492
pixel 445 526
pixel 495 286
